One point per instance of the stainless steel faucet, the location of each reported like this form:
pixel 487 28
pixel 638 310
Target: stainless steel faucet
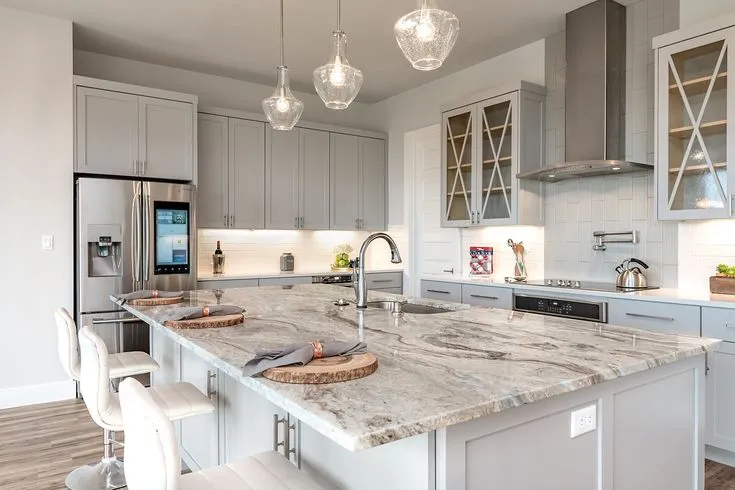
pixel 361 281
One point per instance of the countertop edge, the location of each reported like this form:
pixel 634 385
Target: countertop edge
pixel 236 277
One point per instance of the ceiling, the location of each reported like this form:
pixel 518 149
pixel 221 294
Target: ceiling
pixel 239 38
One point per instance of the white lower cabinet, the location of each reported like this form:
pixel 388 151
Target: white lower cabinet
pixel 199 434
pixel 656 317
pixel 487 296
pixel 720 425
pixel 441 291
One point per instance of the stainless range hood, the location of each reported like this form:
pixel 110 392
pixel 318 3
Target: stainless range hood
pixel 595 96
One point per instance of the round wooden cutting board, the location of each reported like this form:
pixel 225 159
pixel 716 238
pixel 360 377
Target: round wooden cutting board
pixel 326 370
pixel 156 301
pixel 207 322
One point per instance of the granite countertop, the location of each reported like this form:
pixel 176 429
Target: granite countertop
pixel 268 274
pixel 434 370
pixel 663 295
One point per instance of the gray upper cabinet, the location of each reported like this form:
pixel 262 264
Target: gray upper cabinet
pixel 166 138
pixel 297 179
pixel 212 194
pixel 246 174
pixel 106 132
pixel 231 191
pixel 314 179
pixel 125 134
pixel 372 184
pixel 487 140
pixel 358 183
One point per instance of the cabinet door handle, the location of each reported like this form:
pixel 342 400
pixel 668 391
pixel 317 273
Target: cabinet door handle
pixel 451 271
pixel 732 198
pixel 437 291
pixel 652 317
pixel 232 220
pixel 142 167
pixel 357 226
pixel 296 223
pixel 483 296
pixel 301 222
pixel 276 422
pixel 211 378
pixel 379 281
pixel 225 221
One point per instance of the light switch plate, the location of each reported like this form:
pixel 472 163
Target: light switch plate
pixel 47 242
pixel 584 420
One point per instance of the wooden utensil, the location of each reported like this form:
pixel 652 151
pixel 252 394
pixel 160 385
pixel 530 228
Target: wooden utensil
pixel 155 301
pixel 207 322
pixel 326 370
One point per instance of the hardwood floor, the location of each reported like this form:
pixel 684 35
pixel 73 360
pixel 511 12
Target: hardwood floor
pixel 40 445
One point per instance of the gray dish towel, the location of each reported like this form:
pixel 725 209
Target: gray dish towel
pixel 194 312
pixel 301 354
pixel 148 294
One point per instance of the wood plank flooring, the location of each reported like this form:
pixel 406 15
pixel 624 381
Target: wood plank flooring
pixel 40 445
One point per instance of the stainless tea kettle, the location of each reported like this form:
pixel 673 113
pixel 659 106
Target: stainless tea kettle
pixel 631 277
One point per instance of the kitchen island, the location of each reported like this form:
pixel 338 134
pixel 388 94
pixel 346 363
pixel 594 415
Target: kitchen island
pixel 472 398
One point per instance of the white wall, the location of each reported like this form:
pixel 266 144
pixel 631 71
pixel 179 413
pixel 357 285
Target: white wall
pixel 36 196
pixel 212 90
pixel 420 107
pixel 695 11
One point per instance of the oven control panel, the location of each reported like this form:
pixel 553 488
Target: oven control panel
pixel 577 309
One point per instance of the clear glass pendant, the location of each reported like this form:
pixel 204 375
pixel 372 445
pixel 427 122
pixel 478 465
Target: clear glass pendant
pixel 337 82
pixel 426 36
pixel 282 109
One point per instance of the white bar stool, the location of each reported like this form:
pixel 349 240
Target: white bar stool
pixel 121 365
pixel 176 401
pixel 153 461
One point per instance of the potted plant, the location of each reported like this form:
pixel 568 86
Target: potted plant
pixel 724 281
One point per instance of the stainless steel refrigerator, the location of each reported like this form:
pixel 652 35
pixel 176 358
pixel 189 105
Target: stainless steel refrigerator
pixel 130 235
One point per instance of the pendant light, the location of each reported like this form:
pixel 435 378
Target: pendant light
pixel 426 36
pixel 282 109
pixel 337 82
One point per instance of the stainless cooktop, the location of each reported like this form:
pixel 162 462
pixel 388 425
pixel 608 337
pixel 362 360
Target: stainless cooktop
pixel 572 284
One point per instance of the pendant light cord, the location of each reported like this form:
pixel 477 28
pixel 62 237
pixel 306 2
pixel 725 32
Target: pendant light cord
pixel 282 33
pixel 339 15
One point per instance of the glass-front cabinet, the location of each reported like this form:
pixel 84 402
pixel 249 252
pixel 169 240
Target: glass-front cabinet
pixel 696 136
pixel 485 145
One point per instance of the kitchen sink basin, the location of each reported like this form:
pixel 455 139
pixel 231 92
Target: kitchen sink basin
pixel 410 308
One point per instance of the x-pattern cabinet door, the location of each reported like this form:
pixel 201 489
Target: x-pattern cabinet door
pixel 458 131
pixel 696 139
pixel 497 163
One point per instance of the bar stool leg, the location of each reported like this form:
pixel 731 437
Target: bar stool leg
pixel 108 474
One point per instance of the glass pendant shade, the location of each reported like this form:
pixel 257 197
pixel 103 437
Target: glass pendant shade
pixel 282 109
pixel 426 36
pixel 337 82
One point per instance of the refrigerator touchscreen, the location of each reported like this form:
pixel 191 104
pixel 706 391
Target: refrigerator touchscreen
pixel 171 237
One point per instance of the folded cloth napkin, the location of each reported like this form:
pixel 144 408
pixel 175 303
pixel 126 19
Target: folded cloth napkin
pixel 301 354
pixel 194 312
pixel 149 294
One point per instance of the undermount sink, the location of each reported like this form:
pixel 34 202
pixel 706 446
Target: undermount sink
pixel 410 308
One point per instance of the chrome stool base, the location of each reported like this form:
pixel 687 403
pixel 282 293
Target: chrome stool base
pixel 108 474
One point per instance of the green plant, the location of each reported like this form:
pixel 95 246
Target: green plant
pixel 726 270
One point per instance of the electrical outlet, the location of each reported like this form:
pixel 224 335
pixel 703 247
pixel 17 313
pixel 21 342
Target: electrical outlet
pixel 584 420
pixel 47 242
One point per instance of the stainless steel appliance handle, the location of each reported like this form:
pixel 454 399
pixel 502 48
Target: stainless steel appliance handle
pixel 437 291
pixel 483 296
pixel 146 233
pixel 652 317
pixel 135 249
pixel 108 321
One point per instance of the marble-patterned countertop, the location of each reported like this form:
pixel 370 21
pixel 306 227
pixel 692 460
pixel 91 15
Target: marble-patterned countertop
pixel 269 274
pixel 434 370
pixel 663 295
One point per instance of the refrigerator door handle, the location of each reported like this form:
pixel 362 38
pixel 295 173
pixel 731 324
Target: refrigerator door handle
pixel 146 234
pixel 134 236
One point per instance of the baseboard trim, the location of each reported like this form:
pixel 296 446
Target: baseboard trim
pixel 21 396
pixel 719 455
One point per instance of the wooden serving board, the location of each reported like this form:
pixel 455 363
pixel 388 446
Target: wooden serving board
pixel 156 301
pixel 326 370
pixel 207 322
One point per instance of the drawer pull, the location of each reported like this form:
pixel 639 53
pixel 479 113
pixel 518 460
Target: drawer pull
pixel 376 281
pixel 652 317
pixel 437 291
pixel 729 325
pixel 483 297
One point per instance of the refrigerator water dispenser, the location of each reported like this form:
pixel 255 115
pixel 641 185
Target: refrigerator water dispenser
pixel 104 253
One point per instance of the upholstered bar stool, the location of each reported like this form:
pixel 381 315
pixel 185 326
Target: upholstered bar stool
pixel 153 461
pixel 121 365
pixel 176 401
